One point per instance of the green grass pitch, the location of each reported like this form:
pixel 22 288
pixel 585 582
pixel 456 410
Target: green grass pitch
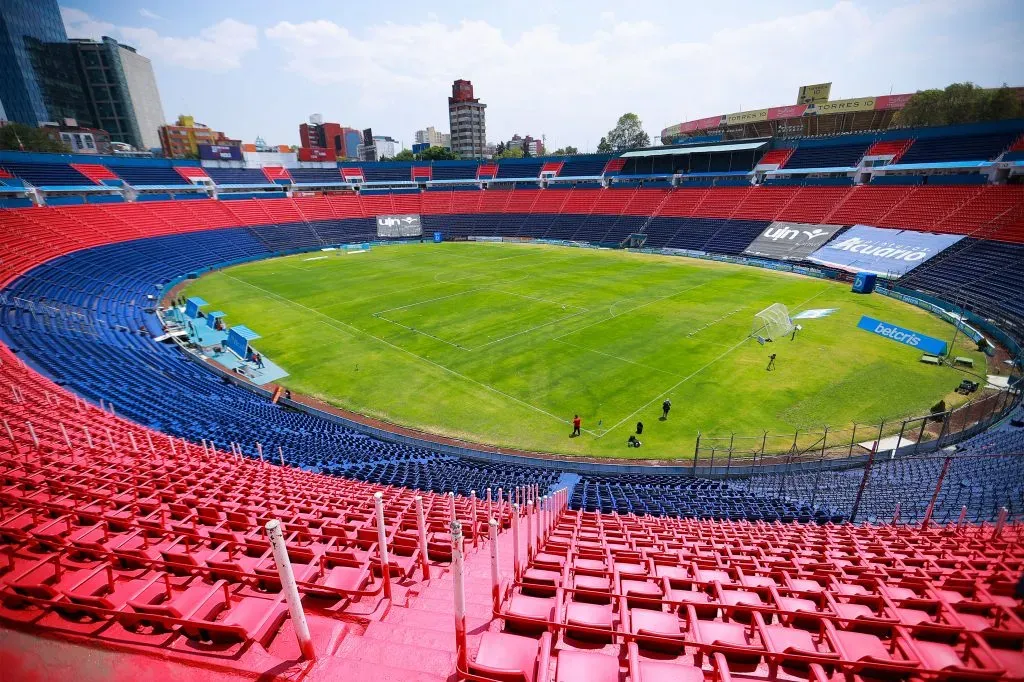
pixel 504 343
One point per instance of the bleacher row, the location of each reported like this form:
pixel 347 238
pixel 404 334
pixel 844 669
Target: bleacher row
pixel 607 598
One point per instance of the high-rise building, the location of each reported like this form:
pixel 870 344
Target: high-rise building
pixel 24 25
pixel 45 78
pixel 467 120
pixel 432 138
pixel 182 139
pixel 341 140
pixel 384 147
pixel 121 88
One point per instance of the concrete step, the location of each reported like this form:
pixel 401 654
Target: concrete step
pixel 429 620
pixel 408 657
pixel 343 668
pixel 430 638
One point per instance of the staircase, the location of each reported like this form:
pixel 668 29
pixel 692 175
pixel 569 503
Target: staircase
pixel 415 641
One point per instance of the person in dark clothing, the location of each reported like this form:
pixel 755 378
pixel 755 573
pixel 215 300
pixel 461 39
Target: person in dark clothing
pixel 576 422
pixel 632 442
pixel 665 407
pixel 771 362
pixel 639 428
pixel 288 393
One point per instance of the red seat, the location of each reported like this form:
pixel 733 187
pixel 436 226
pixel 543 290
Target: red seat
pixel 522 612
pixel 584 666
pixel 647 670
pixel 511 658
pixel 590 616
pixel 656 624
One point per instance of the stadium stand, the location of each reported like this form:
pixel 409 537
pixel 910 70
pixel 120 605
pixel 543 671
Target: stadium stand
pixel 134 494
pixel 153 175
pixel 314 175
pixel 97 173
pixel 810 155
pixel 46 174
pixel 958 148
pixel 237 176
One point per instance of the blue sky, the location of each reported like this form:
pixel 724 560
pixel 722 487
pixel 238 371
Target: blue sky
pixel 564 69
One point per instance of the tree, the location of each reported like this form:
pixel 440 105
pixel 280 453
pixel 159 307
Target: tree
pixel 604 146
pixel 567 150
pixel 438 154
pixel 21 136
pixel 628 133
pixel 499 149
pixel 960 103
pixel 526 150
pixel 510 153
pixel 405 155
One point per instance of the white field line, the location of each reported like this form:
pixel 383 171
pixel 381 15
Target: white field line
pixel 527 331
pixel 626 312
pixel 543 300
pixel 685 379
pixel 616 357
pixel 417 331
pixel 673 387
pixel 429 300
pixel 332 322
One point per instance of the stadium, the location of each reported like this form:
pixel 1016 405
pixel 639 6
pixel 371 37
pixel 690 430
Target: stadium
pixel 742 406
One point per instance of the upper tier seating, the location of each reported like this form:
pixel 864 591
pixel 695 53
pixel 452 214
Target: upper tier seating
pixel 583 166
pixel 820 156
pixel 316 174
pixel 46 174
pixel 957 148
pixel 237 176
pixel 148 175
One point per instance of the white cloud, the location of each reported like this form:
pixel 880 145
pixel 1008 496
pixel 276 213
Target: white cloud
pixel 574 89
pixel 150 15
pixel 217 48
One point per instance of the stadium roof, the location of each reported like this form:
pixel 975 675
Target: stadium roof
pixel 700 149
pixel 245 332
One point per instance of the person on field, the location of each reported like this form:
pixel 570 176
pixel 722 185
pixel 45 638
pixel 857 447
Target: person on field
pixel 771 362
pixel 639 428
pixel 632 442
pixel 665 407
pixel 576 422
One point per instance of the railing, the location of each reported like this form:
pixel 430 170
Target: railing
pixel 849 446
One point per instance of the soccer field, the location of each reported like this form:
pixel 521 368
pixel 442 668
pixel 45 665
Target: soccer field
pixel 504 343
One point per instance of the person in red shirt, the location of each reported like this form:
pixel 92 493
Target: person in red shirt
pixel 575 426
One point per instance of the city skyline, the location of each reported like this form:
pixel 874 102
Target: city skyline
pixel 568 71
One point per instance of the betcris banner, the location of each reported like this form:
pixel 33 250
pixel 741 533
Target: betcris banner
pixel 907 337
pixel 790 241
pixel 888 253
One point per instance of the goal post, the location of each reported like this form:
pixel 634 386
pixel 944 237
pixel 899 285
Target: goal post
pixel 772 323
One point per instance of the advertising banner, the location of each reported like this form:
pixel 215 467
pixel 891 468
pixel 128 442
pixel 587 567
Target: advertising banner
pixel 844 106
pixel 884 102
pixel 701 124
pixel 790 241
pixel 794 111
pixel 741 117
pixel 219 152
pixel 813 94
pixel 888 253
pixel 399 226
pixel 907 337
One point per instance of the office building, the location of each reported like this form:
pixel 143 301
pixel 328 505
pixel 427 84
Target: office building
pixel 182 140
pixel 433 138
pixel 25 25
pixel 467 120
pixel 341 141
pixel 121 88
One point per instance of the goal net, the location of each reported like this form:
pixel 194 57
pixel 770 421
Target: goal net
pixel 772 323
